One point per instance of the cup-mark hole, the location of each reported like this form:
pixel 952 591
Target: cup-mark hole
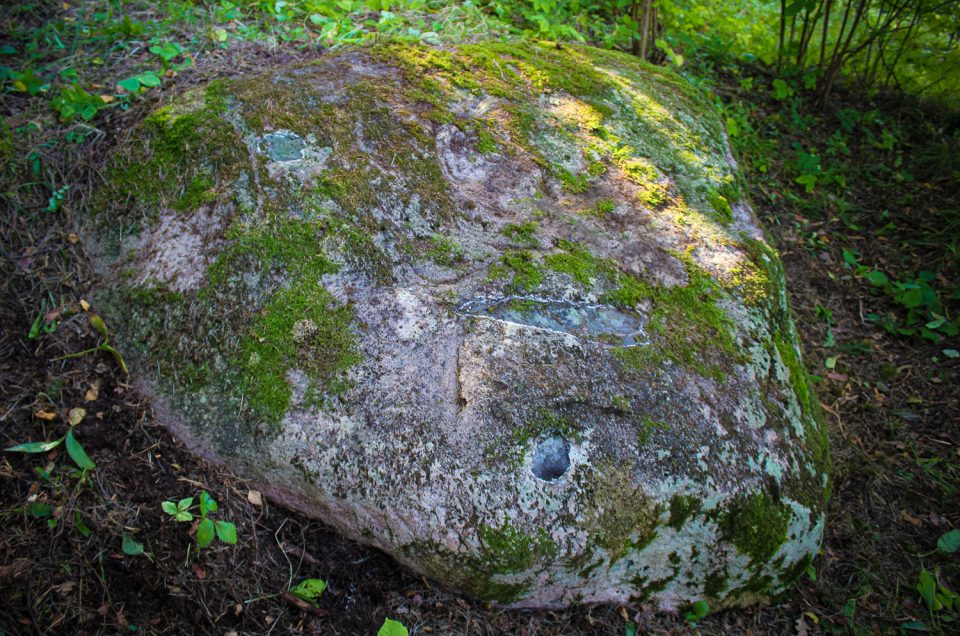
pixel 551 457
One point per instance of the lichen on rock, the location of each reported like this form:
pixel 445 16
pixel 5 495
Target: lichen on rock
pixel 498 309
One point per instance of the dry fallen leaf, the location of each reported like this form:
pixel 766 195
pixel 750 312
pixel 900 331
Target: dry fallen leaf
pixel 107 98
pixel 909 518
pixel 93 392
pixel 73 238
pixel 85 305
pixel 255 497
pixel 802 628
pixel 45 415
pixel 66 587
pixel 76 415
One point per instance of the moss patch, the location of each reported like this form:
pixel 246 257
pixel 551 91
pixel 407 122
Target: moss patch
pixel 600 209
pixel 303 327
pixel 622 517
pixel 682 507
pixel 688 319
pixel 757 524
pixel 508 550
pixel 172 165
pixel 578 263
pixel 523 233
pixel 444 251
pixel 646 428
pixel 522 269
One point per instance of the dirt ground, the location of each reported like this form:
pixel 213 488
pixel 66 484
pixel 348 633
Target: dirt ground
pixel 892 404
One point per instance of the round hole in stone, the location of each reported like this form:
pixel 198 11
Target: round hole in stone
pixel 551 457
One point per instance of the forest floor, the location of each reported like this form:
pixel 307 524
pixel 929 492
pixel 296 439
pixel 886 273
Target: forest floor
pixel 885 200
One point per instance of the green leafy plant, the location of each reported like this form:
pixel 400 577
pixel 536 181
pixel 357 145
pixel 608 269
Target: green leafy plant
pixel 26 81
pixel 926 308
pixel 781 90
pixel 309 590
pixel 391 627
pixel 74 102
pixel 133 84
pixel 132 547
pixel 809 167
pixel 74 449
pixel 675 58
pixel 207 528
pixel 41 325
pixel 167 52
pixel 827 316
pixel 942 603
pixel 56 199
pixel 949 542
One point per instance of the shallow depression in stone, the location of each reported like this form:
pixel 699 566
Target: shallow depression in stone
pixel 283 145
pixel 551 458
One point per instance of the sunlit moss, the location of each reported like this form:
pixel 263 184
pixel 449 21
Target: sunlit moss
pixel 523 233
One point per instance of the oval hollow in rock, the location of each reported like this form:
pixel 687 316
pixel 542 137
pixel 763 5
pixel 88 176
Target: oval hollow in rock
pixel 551 458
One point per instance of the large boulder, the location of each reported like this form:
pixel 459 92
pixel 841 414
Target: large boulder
pixel 500 310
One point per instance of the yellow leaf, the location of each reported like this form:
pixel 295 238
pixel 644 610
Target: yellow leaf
pixel 45 415
pixel 76 415
pixel 73 238
pixel 19 86
pixel 85 305
pixel 107 98
pixel 93 392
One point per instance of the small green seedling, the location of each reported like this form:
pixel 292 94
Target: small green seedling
pixel 56 199
pixel 942 602
pixel 697 612
pixel 101 327
pixel 167 52
pixel 207 528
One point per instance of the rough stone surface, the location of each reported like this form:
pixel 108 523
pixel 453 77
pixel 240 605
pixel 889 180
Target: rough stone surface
pixel 500 311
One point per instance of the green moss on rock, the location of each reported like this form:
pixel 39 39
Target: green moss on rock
pixel 178 151
pixel 523 233
pixel 508 550
pixel 757 524
pixel 522 267
pixel 301 327
pixel 682 508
